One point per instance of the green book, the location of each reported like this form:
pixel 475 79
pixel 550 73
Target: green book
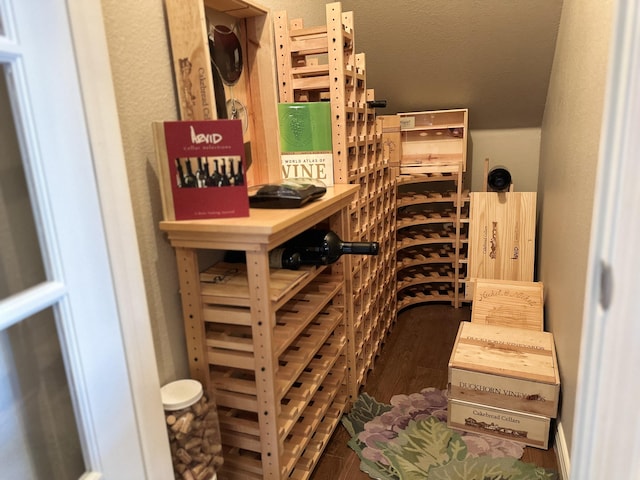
pixel 305 140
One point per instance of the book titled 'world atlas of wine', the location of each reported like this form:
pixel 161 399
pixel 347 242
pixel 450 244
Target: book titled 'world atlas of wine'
pixel 201 165
pixel 305 140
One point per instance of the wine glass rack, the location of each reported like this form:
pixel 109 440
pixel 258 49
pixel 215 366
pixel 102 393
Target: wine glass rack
pixel 321 63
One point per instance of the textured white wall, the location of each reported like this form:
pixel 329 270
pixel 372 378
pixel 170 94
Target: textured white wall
pixel 568 159
pixel 143 79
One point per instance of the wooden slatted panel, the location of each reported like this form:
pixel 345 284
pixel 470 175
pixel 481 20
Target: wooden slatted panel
pixel 322 415
pixel 230 337
pixel 237 400
pixel 239 421
pixel 223 282
pixel 331 373
pixel 239 464
pixel 296 314
pixel 306 347
pixel 233 380
pixel 226 314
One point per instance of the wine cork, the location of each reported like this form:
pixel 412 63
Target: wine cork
pixel 193 430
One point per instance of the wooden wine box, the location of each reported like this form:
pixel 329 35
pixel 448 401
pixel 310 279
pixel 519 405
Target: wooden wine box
pixel 502 229
pixel 508 303
pixel 433 138
pixel 235 79
pixel 526 428
pixel 505 368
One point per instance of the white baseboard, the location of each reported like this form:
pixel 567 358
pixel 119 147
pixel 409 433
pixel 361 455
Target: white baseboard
pixel 562 453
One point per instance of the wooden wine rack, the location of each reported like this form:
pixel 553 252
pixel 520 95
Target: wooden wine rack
pixel 432 238
pixel 320 63
pixel 428 154
pixel 271 343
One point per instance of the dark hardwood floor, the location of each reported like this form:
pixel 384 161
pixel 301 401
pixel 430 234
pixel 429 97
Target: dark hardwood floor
pixel 414 356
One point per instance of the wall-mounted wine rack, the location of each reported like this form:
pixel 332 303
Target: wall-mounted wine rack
pixel 320 63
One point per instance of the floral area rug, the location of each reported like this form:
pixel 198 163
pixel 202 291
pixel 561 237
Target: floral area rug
pixel 409 440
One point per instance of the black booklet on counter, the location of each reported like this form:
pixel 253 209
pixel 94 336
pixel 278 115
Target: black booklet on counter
pixel 290 193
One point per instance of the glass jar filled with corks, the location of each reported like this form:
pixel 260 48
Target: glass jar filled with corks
pixel 194 430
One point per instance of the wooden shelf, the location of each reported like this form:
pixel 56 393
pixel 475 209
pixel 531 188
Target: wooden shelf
pixel 270 343
pixel 441 130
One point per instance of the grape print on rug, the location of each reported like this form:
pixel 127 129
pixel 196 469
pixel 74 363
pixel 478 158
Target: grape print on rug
pixel 408 439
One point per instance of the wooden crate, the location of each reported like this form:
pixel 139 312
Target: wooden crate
pixel 532 430
pixel 431 138
pixel 508 303
pixel 255 91
pixel 502 228
pixel 505 367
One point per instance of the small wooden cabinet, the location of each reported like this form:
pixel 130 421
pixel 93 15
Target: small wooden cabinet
pixel 271 344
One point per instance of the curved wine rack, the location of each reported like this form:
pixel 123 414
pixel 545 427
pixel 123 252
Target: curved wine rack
pixel 432 221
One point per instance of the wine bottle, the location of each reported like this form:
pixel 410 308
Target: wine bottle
pixel 280 257
pixel 284 257
pixel 216 177
pixel 232 172
pixel 239 178
pixel 208 180
pixel 499 179
pixel 323 247
pixel 200 176
pixel 224 178
pixel 376 103
pixel 190 180
pixel 179 174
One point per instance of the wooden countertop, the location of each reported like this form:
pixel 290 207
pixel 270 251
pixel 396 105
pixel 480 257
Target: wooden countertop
pixel 269 227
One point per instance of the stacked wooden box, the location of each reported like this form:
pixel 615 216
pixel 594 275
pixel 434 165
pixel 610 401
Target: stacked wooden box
pixel 320 63
pixel 503 371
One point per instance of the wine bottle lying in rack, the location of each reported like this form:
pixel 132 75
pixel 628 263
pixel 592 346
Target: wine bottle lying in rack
pixel 376 103
pixel 312 247
pixel 323 247
pixel 281 257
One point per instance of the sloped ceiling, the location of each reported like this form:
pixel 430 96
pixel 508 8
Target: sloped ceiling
pixel 491 56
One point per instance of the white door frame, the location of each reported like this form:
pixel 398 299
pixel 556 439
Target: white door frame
pixel 606 436
pixel 96 83
pixel 70 138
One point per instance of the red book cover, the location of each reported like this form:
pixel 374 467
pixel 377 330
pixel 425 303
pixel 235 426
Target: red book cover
pixel 202 164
